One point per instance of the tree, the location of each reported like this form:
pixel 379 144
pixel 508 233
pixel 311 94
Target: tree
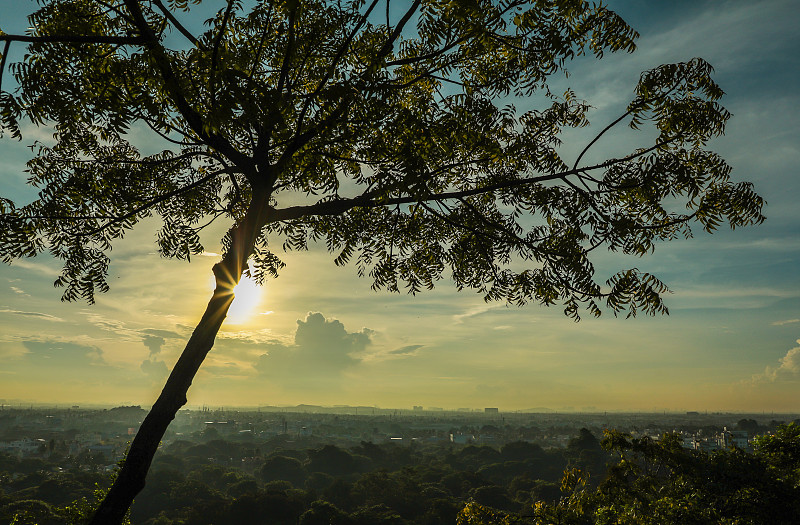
pixel 660 482
pixel 781 451
pixel 389 135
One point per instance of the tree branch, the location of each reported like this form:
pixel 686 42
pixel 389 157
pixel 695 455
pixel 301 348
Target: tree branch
pixel 172 85
pixel 215 53
pixel 174 21
pixel 334 64
pixel 427 56
pixel 289 48
pixel 76 39
pixel 389 44
pixel 368 199
pixel 3 62
pixel 157 200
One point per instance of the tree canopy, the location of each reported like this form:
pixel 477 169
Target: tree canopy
pixel 393 140
pixel 386 131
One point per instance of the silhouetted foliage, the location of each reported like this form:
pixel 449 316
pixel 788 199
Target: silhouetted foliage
pixel 285 468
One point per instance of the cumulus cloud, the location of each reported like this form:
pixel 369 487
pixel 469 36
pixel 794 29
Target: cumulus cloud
pixel 154 339
pixel 153 343
pixel 787 369
pixel 785 322
pixel 154 369
pixel 321 351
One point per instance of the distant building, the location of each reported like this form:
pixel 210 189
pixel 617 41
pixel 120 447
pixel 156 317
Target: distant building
pixel 417 408
pixel 22 447
pixel 491 410
pixel 461 439
pixel 734 438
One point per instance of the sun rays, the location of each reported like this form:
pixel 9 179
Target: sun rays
pixel 247 298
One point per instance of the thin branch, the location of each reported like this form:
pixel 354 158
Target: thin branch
pixel 76 39
pixel 215 53
pixel 389 44
pixel 427 56
pixel 173 88
pixel 335 63
pixel 597 137
pixel 301 139
pixel 257 57
pixel 110 8
pixel 58 217
pixel 185 32
pixel 157 200
pixel 215 217
pixel 3 62
pixel 289 48
pixel 368 199
pixel 141 162
pixel 165 136
pixel 617 121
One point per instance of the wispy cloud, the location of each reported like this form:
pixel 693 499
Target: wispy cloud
pixel 406 350
pixel 787 321
pixel 40 268
pixel 474 311
pixel 38 315
pixel 63 354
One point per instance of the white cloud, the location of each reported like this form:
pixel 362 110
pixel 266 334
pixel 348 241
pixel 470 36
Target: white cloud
pixel 473 311
pixel 789 368
pixel 787 321
pixel 154 369
pixel 323 349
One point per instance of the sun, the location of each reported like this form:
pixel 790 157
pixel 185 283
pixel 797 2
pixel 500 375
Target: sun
pixel 247 297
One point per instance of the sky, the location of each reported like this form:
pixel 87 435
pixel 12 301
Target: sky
pixel 319 335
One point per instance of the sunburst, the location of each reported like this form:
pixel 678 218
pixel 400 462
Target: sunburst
pixel 247 298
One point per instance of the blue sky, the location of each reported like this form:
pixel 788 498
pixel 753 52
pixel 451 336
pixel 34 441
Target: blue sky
pixel 318 334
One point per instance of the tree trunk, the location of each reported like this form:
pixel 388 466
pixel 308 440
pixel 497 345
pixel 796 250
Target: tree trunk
pixel 131 477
